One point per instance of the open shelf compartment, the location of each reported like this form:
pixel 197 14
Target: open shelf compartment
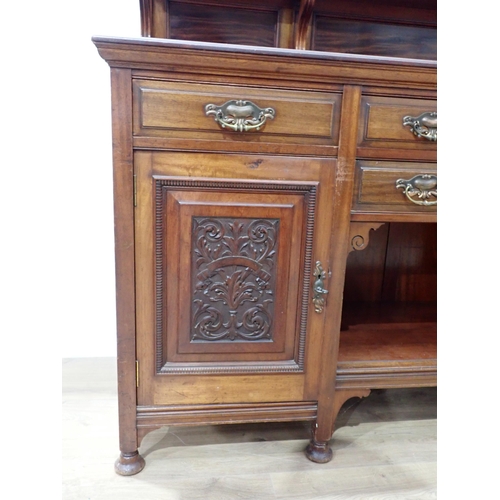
pixel 389 339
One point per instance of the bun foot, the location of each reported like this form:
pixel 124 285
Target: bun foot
pixel 320 453
pixel 129 464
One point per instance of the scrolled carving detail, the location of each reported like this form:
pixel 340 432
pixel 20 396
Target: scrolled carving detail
pixel 360 234
pixel 358 242
pixel 233 278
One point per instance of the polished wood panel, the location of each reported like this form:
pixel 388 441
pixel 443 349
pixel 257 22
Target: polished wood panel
pixel 379 312
pixel 388 342
pixel 381 125
pixel 177 110
pixel 124 256
pixel 237 188
pixel 285 28
pixel 411 264
pixel 357 376
pixel 389 355
pixel 374 38
pixel 254 23
pixel 267 65
pixel 376 189
pixel 212 20
pixel 244 237
pixel 365 269
pixel 409 12
pixel 225 413
pixel 171 389
pixel 146 8
pixel 318 450
pixel 222 24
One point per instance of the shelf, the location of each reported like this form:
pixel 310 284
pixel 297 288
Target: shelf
pixel 388 345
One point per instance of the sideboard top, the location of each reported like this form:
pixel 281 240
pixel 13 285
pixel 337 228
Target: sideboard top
pixel 264 62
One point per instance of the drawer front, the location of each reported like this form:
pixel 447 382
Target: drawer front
pixel 178 110
pixel 382 123
pixel 395 187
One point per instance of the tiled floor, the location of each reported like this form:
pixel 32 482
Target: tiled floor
pixel 384 448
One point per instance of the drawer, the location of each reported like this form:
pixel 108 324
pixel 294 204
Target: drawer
pixel 396 187
pixel 382 124
pixel 178 110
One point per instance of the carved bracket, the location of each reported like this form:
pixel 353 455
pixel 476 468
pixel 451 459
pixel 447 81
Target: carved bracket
pixel 359 235
pixel 343 395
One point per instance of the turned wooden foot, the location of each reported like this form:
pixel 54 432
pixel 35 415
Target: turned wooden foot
pixel 320 453
pixel 129 464
pixel 319 450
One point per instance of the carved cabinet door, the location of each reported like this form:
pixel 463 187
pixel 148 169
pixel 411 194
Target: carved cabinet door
pixel 226 251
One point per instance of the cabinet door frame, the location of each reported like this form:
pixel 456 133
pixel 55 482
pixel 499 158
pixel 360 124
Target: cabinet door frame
pixel 208 205
pixel 305 177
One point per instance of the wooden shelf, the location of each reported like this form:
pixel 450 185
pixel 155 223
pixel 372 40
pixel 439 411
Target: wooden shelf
pixel 389 342
pixel 388 345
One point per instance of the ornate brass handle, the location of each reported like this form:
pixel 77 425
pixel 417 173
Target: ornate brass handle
pixel 425 125
pixel 319 288
pixel 241 116
pixel 419 189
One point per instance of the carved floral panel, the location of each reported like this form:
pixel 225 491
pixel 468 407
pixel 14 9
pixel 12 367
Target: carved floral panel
pixel 232 284
pixel 233 278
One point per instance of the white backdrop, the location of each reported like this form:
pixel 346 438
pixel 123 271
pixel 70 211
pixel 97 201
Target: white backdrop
pixel 89 305
pixel 57 257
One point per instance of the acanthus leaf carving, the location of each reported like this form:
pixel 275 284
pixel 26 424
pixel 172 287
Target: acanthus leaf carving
pixel 233 266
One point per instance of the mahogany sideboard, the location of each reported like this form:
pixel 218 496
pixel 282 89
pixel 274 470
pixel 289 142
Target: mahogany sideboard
pixel 257 148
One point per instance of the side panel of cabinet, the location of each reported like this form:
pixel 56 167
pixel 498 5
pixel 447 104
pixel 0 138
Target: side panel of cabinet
pixel 226 246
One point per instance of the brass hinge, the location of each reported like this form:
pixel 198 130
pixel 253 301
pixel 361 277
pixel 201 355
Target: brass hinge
pixel 135 190
pixel 136 373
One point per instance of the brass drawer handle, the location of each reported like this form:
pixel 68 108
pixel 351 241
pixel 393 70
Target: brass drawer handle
pixel 241 116
pixel 419 189
pixel 425 125
pixel 319 288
